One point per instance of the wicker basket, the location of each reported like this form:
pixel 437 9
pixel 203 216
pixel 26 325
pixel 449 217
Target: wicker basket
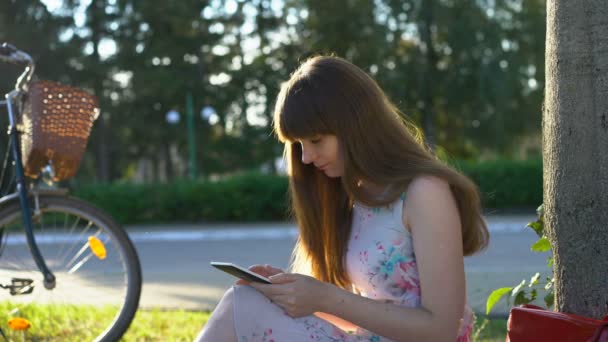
pixel 55 124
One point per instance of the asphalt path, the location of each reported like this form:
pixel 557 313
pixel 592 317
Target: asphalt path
pixel 177 275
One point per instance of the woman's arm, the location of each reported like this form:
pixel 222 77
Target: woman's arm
pixel 337 321
pixel 432 216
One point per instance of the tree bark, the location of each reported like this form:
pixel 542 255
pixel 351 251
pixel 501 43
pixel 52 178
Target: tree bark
pixel 575 153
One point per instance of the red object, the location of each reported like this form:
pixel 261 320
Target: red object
pixel 531 323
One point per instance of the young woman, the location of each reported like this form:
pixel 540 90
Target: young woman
pixel 383 225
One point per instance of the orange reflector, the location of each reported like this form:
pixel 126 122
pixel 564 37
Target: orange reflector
pixel 19 323
pixel 97 247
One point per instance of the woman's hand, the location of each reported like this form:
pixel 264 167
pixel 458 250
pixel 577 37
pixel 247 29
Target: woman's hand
pixel 263 270
pixel 299 295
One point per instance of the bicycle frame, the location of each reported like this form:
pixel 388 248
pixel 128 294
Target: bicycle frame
pixel 22 191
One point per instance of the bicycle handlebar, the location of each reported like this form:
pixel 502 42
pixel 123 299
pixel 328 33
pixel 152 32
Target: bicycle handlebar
pixel 10 54
pixel 7 48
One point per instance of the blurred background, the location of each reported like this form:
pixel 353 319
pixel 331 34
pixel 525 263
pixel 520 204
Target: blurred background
pixel 187 88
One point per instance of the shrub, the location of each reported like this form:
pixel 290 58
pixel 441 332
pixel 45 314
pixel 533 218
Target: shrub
pixel 255 197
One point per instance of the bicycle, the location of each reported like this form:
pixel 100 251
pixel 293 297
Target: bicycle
pixel 59 255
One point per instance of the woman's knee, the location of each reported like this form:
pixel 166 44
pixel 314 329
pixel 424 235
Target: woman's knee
pixel 228 295
pixel 238 293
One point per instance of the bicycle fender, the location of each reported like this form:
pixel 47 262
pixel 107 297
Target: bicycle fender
pixel 14 197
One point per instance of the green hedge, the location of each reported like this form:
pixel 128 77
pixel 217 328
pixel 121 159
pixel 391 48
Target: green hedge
pixel 507 184
pixel 243 198
pixel 254 197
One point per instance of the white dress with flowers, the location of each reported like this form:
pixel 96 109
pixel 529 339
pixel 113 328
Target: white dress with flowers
pixel 381 264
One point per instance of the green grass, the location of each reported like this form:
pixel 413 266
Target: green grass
pixel 489 330
pixel 74 323
pixel 83 323
pixel 159 325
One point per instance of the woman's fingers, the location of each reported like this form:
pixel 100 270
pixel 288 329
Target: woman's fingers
pixel 271 270
pixel 257 268
pixel 281 301
pixel 288 304
pixel 275 270
pixel 260 269
pixel 265 270
pixel 271 290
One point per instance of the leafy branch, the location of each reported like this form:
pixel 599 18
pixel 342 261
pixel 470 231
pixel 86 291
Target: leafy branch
pixel 522 293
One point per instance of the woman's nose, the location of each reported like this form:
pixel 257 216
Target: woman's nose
pixel 307 156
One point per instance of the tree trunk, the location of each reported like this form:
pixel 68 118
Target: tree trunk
pixel 428 97
pixel 168 166
pixel 575 153
pixel 102 151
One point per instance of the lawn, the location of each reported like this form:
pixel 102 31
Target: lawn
pixel 65 323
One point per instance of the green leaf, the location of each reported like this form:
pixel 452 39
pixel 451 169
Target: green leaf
pixel 534 279
pixel 521 298
pixel 495 297
pixel 533 295
pixel 538 228
pixel 549 300
pixel 550 262
pixel 542 245
pixel 549 284
pixel 517 288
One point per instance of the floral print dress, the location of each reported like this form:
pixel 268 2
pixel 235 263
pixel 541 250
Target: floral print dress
pixel 381 264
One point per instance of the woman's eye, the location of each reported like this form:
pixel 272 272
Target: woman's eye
pixel 315 141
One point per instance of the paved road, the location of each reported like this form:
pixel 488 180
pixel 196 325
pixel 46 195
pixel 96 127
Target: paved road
pixel 175 259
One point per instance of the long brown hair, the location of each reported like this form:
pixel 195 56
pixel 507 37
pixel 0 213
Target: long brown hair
pixel 329 95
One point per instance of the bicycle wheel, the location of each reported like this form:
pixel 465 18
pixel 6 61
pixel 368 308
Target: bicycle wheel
pixel 98 275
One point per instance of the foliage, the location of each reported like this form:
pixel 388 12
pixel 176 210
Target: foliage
pixel 469 72
pixel 498 179
pixel 249 197
pixel 258 197
pixel 521 293
pixel 489 330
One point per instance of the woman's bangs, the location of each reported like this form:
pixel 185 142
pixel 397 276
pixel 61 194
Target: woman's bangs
pixel 300 117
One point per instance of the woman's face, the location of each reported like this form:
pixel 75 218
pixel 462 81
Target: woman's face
pixel 324 152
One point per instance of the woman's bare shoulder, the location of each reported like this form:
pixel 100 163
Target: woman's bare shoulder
pixel 427 184
pixel 426 194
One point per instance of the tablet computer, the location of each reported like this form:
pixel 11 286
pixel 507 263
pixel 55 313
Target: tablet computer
pixel 240 272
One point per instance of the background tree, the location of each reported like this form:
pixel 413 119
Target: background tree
pixel 26 24
pixel 467 70
pixel 470 72
pixel 575 137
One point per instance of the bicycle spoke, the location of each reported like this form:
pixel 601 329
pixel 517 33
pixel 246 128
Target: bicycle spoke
pixel 76 242
pixel 81 262
pixel 16 261
pixel 65 226
pixel 62 249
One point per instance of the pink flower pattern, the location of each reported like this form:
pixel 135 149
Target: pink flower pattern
pixel 264 336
